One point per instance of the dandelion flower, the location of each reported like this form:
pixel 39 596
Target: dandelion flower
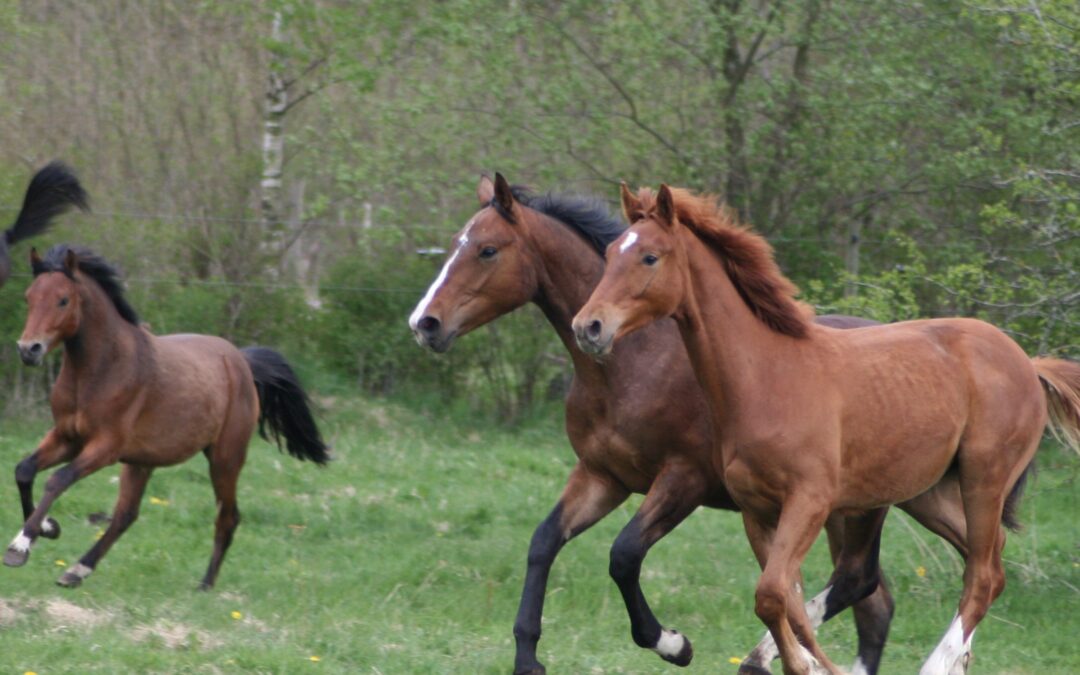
pixel 314 659
pixel 236 615
pixel 920 571
pixel 734 660
pixel 158 501
pixel 60 563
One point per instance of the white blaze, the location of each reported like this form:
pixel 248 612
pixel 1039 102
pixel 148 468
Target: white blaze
pixel 631 239
pixel 421 308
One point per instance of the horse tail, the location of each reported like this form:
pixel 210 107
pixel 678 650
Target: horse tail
pixel 284 407
pixel 53 190
pixel 1061 382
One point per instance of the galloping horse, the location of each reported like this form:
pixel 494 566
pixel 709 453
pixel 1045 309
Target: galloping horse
pixel 125 395
pixel 810 421
pixel 638 421
pixel 52 190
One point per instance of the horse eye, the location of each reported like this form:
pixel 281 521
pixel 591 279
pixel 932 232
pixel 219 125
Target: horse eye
pixel 488 252
pixel 650 259
pixel 63 302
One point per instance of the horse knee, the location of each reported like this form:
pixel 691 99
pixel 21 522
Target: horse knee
pixel 770 602
pixel 26 470
pixel 626 560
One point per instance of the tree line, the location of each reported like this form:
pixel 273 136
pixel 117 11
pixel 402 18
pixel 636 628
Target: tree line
pixel 271 170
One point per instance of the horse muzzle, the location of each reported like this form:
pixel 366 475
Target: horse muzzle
pixel 594 338
pixel 32 352
pixel 429 333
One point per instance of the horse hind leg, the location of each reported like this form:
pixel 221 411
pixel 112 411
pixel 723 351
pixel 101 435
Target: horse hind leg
pixel 674 496
pixel 985 483
pixel 226 459
pixel 133 480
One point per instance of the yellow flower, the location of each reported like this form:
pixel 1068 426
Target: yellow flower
pixel 236 615
pixel 734 660
pixel 920 571
pixel 60 563
pixel 29 672
pixel 158 501
pixel 314 659
pixel 99 534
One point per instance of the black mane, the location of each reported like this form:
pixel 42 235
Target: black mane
pixel 589 216
pixel 93 266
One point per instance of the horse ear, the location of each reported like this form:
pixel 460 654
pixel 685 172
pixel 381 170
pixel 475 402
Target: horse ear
pixel 71 261
pixel 485 191
pixel 631 205
pixel 504 196
pixel 35 259
pixel 665 206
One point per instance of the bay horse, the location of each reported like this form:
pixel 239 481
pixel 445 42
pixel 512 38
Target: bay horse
pixel 637 421
pixel 126 395
pixel 53 190
pixel 810 421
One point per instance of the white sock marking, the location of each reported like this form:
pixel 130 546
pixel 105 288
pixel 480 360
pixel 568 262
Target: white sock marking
pixel 20 543
pixel 421 307
pixel 670 643
pixel 766 651
pixel 631 239
pixel 948 657
pixel 859 668
pixel 46 526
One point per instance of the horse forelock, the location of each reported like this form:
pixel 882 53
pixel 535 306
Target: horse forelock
pixel 94 267
pixel 747 257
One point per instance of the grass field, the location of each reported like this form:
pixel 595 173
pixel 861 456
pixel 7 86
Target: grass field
pixel 406 555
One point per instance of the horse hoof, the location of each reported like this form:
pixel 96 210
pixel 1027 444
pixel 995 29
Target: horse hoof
pixel 14 557
pixel 69 580
pixel 532 670
pixel 50 529
pixel 746 668
pixel 674 647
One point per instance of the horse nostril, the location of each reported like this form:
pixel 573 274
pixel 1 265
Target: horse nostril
pixel 428 325
pixel 36 348
pixel 593 330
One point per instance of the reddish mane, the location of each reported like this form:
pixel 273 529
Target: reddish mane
pixel 747 258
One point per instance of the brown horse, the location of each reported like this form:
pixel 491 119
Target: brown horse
pixel 52 190
pixel 810 421
pixel 638 421
pixel 125 395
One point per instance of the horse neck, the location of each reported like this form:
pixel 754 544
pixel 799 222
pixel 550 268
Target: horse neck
pixel 568 269
pixel 732 351
pixel 104 345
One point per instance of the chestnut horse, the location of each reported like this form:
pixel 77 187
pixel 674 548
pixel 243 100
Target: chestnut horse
pixel 638 421
pixel 125 395
pixel 52 190
pixel 810 421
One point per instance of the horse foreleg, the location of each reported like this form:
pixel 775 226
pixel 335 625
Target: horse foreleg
pixel 50 452
pixel 856 582
pixel 585 500
pixel 801 519
pixel 674 495
pixel 93 457
pixel 133 481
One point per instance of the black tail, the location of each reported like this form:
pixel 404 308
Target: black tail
pixel 53 190
pixel 284 407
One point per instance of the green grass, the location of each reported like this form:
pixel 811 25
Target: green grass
pixel 406 555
